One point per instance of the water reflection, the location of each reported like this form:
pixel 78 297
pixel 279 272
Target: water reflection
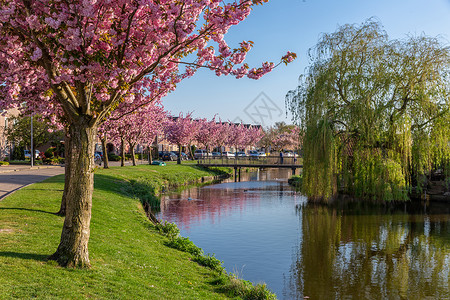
pixel 373 253
pixel 266 232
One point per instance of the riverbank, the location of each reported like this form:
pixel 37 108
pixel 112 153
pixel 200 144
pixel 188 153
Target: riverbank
pixel 129 257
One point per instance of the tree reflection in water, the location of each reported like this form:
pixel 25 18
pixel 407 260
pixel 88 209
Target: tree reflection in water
pixel 347 251
pixel 362 251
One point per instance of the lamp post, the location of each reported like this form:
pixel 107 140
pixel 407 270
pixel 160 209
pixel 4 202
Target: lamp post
pixel 32 149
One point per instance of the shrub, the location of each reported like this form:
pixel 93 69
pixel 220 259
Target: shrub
pixel 54 161
pixel 18 153
pixel 128 156
pixel 4 163
pixel 246 290
pixel 49 152
pixel 296 181
pixel 114 157
pixel 185 245
pixel 168 229
pixel 210 261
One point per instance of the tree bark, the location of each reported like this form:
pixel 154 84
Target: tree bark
pixel 179 155
pixel 67 156
pixel 122 161
pixel 133 158
pixel 150 159
pixel 105 154
pixel 73 248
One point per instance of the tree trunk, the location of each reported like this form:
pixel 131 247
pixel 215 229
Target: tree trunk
pixel 133 158
pixel 73 248
pixel 67 157
pixel 122 161
pixel 190 151
pixel 105 154
pixel 150 159
pixel 179 155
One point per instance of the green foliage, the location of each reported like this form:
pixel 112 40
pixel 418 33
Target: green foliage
pixel 54 161
pixel 210 261
pixel 18 131
pixel 128 156
pixel 168 229
pixel 296 181
pixel 246 290
pixel 4 163
pixel 114 157
pixel 18 153
pixel 186 245
pixel 375 113
pixel 49 153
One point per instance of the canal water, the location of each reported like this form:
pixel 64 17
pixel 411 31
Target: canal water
pixel 266 232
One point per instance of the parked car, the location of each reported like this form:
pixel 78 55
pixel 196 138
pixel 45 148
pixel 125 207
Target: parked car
pixel 28 155
pixel 228 154
pixel 261 154
pixel 240 153
pixel 184 156
pixel 253 153
pixel 288 154
pixel 216 154
pixel 169 156
pixel 199 153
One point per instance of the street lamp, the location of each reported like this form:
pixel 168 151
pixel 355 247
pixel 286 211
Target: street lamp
pixel 32 149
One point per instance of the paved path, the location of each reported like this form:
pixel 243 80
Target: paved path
pixel 13 178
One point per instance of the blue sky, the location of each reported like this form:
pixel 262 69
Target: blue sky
pixel 295 25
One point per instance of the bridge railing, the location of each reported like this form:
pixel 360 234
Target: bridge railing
pixel 249 160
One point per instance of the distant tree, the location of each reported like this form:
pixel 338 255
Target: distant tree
pixel 208 133
pixel 253 135
pixel 19 132
pixel 278 136
pixel 237 136
pixel 375 112
pixel 290 139
pixel 181 131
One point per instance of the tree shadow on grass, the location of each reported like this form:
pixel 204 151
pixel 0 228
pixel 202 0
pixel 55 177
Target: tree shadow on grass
pixel 140 189
pixel 32 256
pixel 27 209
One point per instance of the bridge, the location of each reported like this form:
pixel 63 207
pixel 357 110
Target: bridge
pixel 260 162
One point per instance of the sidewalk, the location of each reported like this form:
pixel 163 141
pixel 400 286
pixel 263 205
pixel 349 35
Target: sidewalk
pixel 16 168
pixel 15 177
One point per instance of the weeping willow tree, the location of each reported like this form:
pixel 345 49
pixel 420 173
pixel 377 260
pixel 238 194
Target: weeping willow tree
pixel 375 112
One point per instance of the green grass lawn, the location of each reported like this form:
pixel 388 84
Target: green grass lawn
pixel 130 259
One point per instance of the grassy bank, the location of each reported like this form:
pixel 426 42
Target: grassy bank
pixel 129 257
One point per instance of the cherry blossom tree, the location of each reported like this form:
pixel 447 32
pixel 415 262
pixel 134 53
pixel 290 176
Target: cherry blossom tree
pixel 207 133
pixel 223 133
pixel 253 135
pixel 236 136
pixel 81 58
pixel 181 131
pixel 142 126
pixel 290 139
